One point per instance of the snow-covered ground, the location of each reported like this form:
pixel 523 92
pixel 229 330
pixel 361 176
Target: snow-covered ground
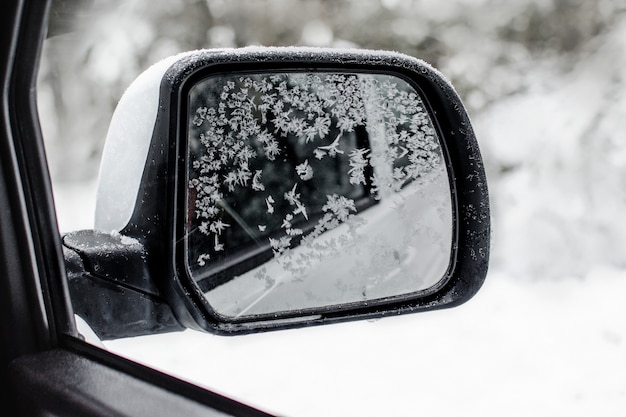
pixel 518 348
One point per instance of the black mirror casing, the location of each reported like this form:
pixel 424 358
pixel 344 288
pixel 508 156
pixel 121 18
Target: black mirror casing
pixel 157 221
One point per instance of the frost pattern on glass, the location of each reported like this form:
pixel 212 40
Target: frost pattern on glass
pixel 310 190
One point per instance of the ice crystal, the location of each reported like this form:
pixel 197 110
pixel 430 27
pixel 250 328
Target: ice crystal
pixel 242 124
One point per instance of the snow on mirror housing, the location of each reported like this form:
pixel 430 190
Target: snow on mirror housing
pixel 264 188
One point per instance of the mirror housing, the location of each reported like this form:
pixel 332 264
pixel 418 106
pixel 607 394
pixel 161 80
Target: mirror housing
pixel 144 182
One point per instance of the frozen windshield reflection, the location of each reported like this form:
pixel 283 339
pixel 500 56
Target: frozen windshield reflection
pixel 312 190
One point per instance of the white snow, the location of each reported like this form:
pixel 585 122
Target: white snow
pixel 126 148
pixel 547 348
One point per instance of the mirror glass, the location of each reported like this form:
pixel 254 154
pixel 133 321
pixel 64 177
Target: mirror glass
pixel 312 190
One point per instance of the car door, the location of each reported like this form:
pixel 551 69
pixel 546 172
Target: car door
pixel 47 368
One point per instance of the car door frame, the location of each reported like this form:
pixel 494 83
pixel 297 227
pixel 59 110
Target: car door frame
pixel 48 369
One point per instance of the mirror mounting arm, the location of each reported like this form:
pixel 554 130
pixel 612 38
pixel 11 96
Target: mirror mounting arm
pixel 111 286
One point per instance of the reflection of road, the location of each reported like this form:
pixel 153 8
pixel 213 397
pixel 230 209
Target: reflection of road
pixel 402 247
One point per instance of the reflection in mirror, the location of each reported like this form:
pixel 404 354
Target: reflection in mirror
pixel 313 190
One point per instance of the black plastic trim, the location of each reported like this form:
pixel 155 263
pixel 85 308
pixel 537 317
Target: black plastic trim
pixel 62 383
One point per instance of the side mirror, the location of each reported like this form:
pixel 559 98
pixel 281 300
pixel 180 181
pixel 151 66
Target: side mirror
pixel 265 188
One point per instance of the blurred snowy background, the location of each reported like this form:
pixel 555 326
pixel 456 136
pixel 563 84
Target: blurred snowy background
pixel 544 82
